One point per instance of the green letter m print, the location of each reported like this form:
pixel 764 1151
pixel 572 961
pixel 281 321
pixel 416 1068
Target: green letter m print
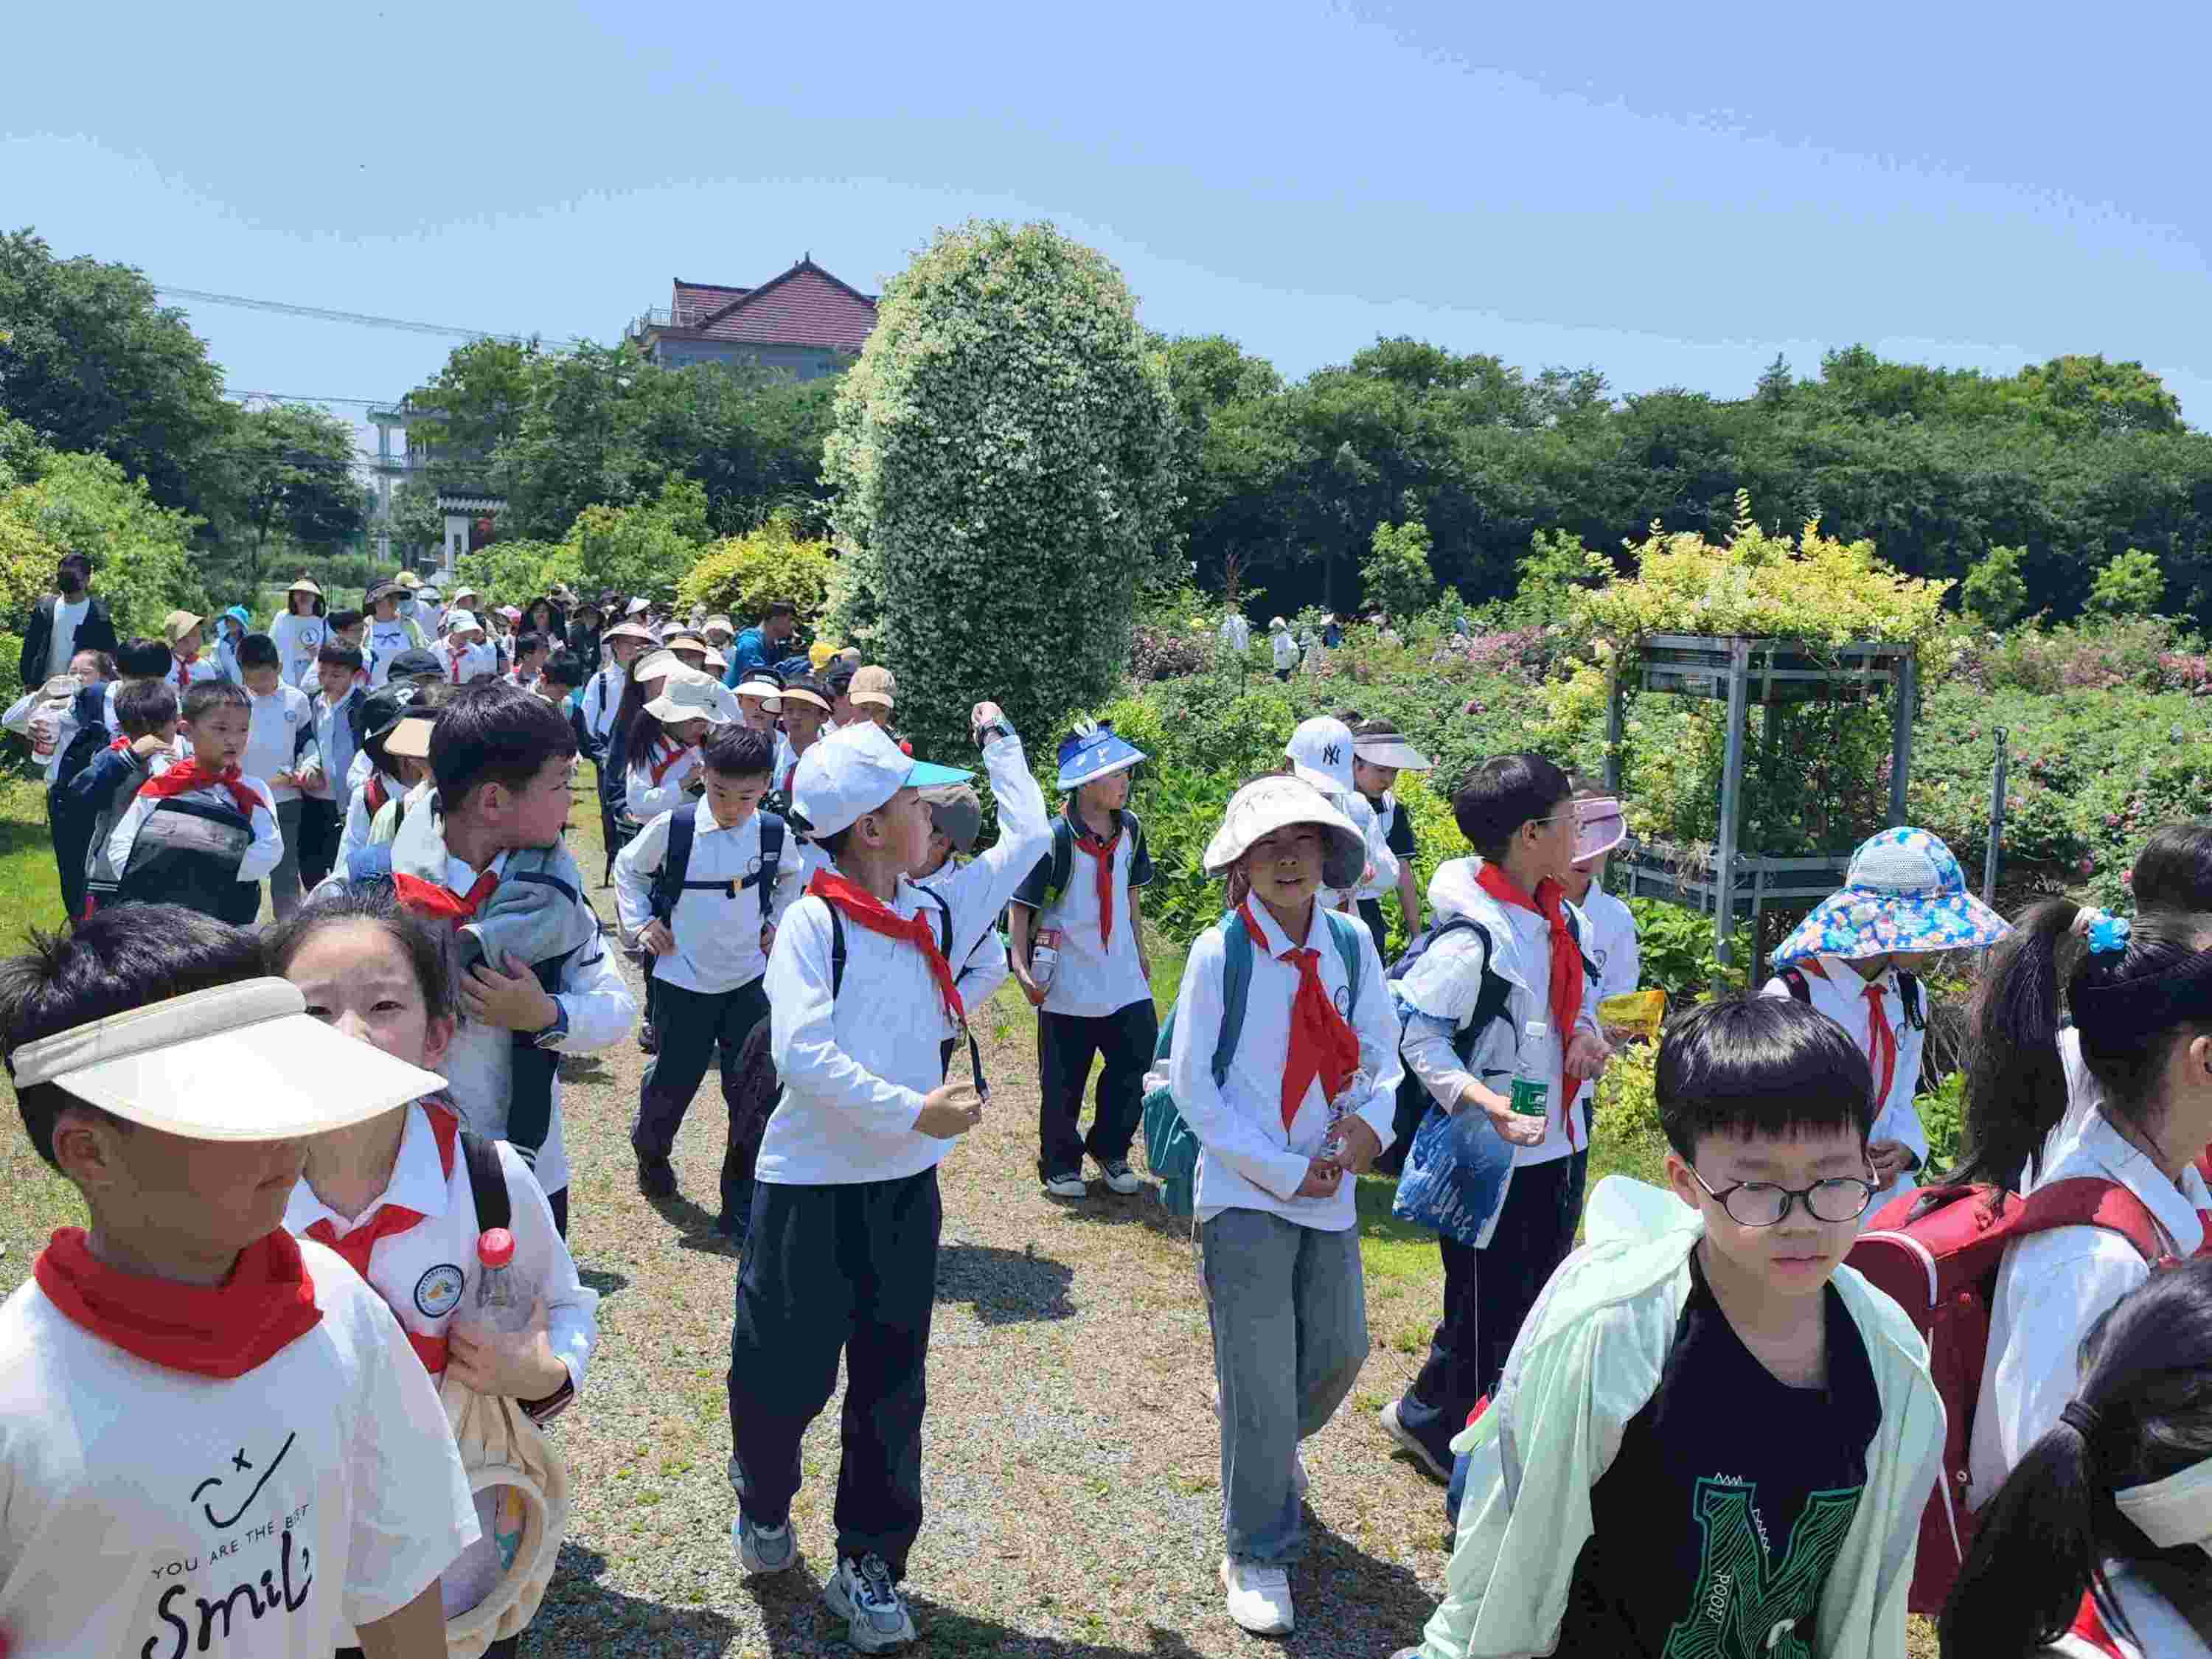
pixel 1744 1608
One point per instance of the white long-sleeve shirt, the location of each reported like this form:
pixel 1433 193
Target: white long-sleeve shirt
pixel 1613 947
pixel 265 852
pixel 717 937
pixel 602 701
pixel 647 798
pixel 854 1066
pixel 1382 870
pixel 280 737
pixel 1838 991
pixel 987 968
pixel 1249 1159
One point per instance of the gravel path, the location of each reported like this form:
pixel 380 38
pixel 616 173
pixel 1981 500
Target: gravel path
pixel 1071 1462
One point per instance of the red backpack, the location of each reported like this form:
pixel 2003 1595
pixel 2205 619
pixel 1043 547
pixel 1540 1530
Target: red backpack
pixel 1936 1253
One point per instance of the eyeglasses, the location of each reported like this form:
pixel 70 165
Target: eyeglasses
pixel 1762 1204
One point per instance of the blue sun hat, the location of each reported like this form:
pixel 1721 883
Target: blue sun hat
pixel 1094 750
pixel 1903 892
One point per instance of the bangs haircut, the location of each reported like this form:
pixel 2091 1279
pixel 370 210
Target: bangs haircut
pixel 337 654
pixel 341 620
pixel 143 659
pixel 111 963
pixel 1761 1067
pixel 564 668
pixel 259 651
pixel 378 904
pixel 2173 872
pixel 206 697
pixel 494 731
pixel 529 645
pixel 739 751
pixel 144 706
pixel 1503 794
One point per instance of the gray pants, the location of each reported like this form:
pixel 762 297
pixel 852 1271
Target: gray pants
pixel 1289 1310
pixel 284 879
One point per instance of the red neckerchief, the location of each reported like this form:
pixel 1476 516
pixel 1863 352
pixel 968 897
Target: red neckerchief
pixel 1565 983
pixel 435 902
pixel 185 671
pixel 2088 1627
pixel 392 1219
pixel 184 776
pixel 220 1331
pixel 864 909
pixel 373 793
pixel 1103 851
pixel 1323 1042
pixel 1881 1038
pixel 456 655
pixel 660 764
pixel 120 746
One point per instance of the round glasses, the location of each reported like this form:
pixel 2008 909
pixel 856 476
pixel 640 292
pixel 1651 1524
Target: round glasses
pixel 1763 1204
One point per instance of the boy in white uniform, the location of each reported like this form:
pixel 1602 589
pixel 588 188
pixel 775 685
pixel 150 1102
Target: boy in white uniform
pixel 280 743
pixel 213 1438
pixel 1613 947
pixel 217 716
pixel 1320 752
pixel 188 667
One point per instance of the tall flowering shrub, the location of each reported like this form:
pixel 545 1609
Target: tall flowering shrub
pixel 1001 459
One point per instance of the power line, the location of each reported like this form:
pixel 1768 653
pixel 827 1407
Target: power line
pixel 360 318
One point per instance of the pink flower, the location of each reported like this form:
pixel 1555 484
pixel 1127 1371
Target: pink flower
pixel 2127 878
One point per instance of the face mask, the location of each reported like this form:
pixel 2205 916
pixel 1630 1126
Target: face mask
pixel 406 607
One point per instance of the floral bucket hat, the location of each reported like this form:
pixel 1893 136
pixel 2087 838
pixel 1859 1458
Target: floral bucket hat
pixel 1903 892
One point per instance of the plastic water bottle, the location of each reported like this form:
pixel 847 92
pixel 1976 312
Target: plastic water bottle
pixel 1044 957
pixel 1532 1080
pixel 1348 1099
pixel 501 1305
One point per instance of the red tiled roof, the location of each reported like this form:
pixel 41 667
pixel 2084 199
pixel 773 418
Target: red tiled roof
pixel 696 301
pixel 804 306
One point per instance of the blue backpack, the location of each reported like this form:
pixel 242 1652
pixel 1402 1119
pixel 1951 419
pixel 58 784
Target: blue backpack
pixel 1171 1148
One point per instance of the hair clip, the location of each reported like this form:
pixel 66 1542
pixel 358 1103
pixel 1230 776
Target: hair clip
pixel 2108 933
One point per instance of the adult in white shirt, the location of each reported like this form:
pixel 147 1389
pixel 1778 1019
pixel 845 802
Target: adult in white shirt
pixel 299 633
pixel 63 623
pixel 388 632
pixel 1276 1224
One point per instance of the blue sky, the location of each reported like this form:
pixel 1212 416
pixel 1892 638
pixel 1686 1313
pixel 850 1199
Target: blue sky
pixel 1674 194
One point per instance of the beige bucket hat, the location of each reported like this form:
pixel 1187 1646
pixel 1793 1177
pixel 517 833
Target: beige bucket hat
pixel 1266 804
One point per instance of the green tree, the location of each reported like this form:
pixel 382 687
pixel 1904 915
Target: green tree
pixel 1396 575
pixel 2131 586
pixel 644 548
pixel 1995 592
pixel 91 361
pixel 1002 462
pixel 739 576
pixel 291 468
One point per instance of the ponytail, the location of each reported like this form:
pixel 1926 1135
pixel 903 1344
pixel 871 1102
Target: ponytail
pixel 2035 1553
pixel 2015 1081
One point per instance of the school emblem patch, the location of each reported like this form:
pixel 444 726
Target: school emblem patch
pixel 438 1292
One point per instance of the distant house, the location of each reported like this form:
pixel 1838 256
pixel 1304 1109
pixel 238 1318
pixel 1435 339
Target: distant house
pixel 804 322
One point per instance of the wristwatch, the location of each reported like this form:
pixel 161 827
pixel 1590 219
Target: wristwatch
pixel 546 1410
pixel 998 728
pixel 551 1036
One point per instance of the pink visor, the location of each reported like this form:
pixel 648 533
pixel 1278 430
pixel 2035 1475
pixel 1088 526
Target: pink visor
pixel 1600 826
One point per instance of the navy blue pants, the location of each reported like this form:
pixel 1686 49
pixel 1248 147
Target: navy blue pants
pixel 1123 1041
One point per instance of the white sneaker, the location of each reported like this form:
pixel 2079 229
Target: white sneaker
pixel 1120 1178
pixel 763 1549
pixel 873 1608
pixel 1067 1185
pixel 1259 1596
pixel 1298 1482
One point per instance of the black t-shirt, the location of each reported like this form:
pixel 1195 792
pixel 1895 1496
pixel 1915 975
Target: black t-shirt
pixel 1719 1523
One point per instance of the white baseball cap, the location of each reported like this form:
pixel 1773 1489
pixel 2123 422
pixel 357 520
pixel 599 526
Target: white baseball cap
pixel 637 607
pixel 1320 751
pixel 687 696
pixel 459 622
pixel 853 772
pixel 237 1062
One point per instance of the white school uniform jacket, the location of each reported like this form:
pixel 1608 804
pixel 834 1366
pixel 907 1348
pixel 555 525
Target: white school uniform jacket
pixel 182 677
pixel 280 737
pixel 2162 1632
pixel 1249 1159
pixel 602 700
pixel 978 978
pixel 1096 977
pixel 466 664
pixel 1839 992
pixel 360 819
pixel 320 1492
pixel 854 1066
pixel 1386 819
pixel 656 778
pixel 2052 1286
pixel 1615 953
pixel 1381 871
pixel 1285 649
pixel 335 750
pixel 717 933
pixel 298 639
pixel 265 853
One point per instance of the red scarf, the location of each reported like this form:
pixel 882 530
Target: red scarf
pixel 665 753
pixel 184 776
pixel 1881 1045
pixel 120 746
pixel 393 1218
pixel 864 909
pixel 1323 1042
pixel 1103 851
pixel 457 655
pixel 435 902
pixel 185 671
pixel 1566 985
pixel 220 1331
pixel 373 793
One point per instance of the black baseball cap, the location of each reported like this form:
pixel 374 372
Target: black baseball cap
pixel 416 664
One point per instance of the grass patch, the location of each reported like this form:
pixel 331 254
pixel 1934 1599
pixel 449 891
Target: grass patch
pixel 33 1200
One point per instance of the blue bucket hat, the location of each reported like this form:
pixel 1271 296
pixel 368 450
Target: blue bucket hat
pixel 1903 892
pixel 242 616
pixel 1091 752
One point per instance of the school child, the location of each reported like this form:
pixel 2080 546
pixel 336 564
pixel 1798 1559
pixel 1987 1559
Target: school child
pixel 350 628
pixel 1378 755
pixel 760 700
pixel 956 818
pixel 187 667
pixel 805 721
pixel 1284 649
pixel 1712 1436
pixel 580 632
pixel 398 1196
pixel 429 613
pixel 842 1249
pixel 1320 752
pixel 378 778
pixel 507 637
pixel 842 712
pixel 469 656
pixel 46 717
pixel 1502 1189
pixel 666 751
pixel 280 741
pixel 1304 1100
pixel 390 633
pixel 719 631
pixel 326 783
pixel 207 1428
pixel 1857 958
pixel 1097 1002
pixel 701 890
pixel 2095 1546
pixel 2140 998
pixel 146 716
pixel 481 856
pixel 230 627
pixel 1613 947
pixel 210 831
pixel 560 683
pixel 300 632
pixel 873 694
pixel 625 643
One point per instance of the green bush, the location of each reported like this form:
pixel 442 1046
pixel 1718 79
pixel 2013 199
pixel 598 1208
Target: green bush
pixel 1995 592
pixel 1942 1115
pixel 737 577
pixel 2131 586
pixel 1395 577
pixel 1676 943
pixel 517 572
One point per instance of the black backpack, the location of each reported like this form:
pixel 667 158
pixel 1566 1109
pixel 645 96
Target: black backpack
pixel 487 1181
pixel 1061 861
pixel 669 883
pixel 1908 990
pixel 90 708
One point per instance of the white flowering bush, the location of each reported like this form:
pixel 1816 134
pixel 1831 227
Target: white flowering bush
pixel 1001 463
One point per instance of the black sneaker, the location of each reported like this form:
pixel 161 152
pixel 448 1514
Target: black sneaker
pixel 656 1178
pixel 1120 1178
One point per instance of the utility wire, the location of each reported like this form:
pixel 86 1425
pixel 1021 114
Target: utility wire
pixel 363 318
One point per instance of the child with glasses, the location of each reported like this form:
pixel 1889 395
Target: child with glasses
pixel 1711 1436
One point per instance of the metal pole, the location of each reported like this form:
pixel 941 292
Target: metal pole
pixel 1615 727
pixel 1900 744
pixel 1731 801
pixel 1996 824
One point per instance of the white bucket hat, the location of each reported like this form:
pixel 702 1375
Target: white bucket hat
pixel 1266 804
pixel 503 1449
pixel 687 696
pixel 1320 751
pixel 460 621
pixel 237 1062
pixel 659 665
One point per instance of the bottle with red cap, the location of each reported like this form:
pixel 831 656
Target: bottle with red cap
pixel 501 1305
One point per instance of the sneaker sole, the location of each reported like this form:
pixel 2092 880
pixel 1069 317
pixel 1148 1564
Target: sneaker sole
pixel 1067 1189
pixel 1410 1444
pixel 751 1564
pixel 1127 1187
pixel 858 1631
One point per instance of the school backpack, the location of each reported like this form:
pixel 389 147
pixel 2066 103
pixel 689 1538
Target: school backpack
pixel 1171 1147
pixel 1936 1253
pixel 669 883
pixel 1908 990
pixel 1061 861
